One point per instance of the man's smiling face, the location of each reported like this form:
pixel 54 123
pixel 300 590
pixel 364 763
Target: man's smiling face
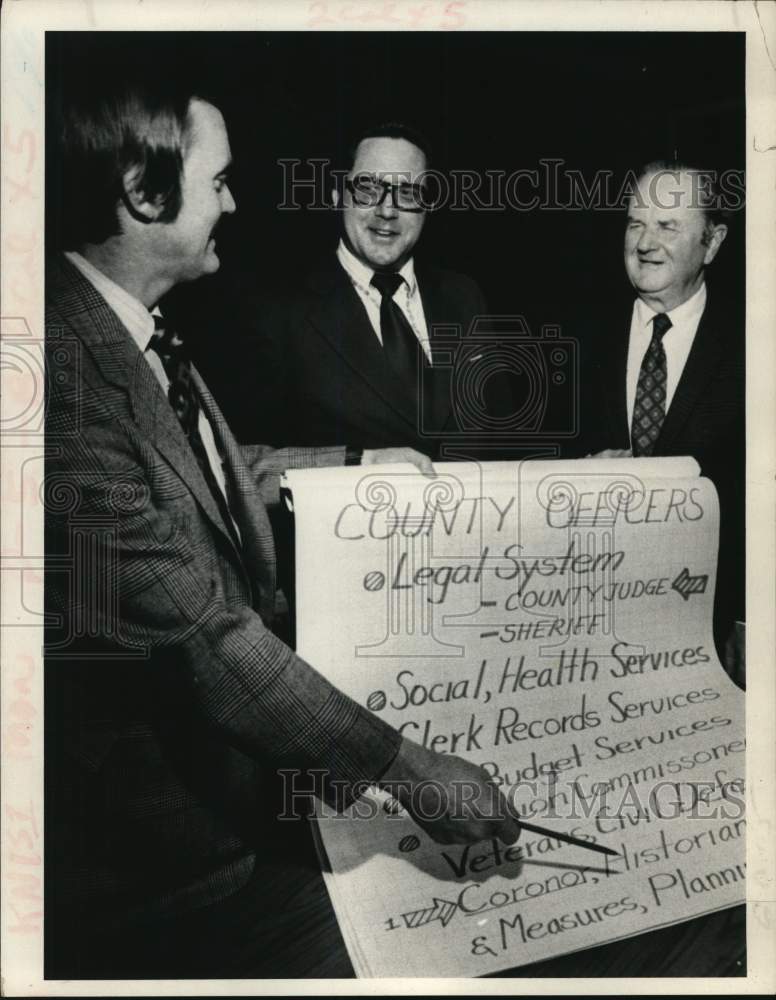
pixel 668 242
pixel 185 248
pixel 381 236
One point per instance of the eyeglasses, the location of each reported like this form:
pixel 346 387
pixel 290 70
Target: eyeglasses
pixel 368 191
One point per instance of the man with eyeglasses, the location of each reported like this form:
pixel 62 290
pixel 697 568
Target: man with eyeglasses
pixel 171 702
pixel 350 355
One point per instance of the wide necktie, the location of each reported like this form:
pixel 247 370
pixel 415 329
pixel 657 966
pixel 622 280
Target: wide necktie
pixel 400 345
pixel 184 400
pixel 649 408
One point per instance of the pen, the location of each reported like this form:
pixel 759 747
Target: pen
pixel 569 840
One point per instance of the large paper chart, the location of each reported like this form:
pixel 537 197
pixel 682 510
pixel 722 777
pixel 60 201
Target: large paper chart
pixel 551 622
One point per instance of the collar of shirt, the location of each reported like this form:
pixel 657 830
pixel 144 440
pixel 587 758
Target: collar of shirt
pixel 361 275
pixel 132 313
pixel 685 317
pixel 407 296
pixel 677 343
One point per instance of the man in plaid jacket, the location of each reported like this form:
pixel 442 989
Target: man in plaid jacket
pixel 167 693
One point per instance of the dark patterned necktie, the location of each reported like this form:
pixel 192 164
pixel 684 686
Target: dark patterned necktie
pixel 400 345
pixel 649 408
pixel 184 400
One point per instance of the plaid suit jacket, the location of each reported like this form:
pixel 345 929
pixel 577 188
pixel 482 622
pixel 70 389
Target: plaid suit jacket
pixel 167 694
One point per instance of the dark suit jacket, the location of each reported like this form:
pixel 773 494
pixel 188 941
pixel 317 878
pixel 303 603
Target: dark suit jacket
pixel 166 691
pixel 706 419
pixel 311 370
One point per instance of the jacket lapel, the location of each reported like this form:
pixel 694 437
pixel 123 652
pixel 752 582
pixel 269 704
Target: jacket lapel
pixel 699 368
pixel 338 314
pixel 121 364
pixel 437 309
pixel 246 506
pixel 156 419
pixel 614 377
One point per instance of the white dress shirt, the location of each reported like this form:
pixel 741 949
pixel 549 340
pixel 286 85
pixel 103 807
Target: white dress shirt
pixel 677 342
pixel 140 324
pixel 406 297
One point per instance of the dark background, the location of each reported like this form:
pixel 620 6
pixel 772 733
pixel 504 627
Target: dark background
pixel 487 101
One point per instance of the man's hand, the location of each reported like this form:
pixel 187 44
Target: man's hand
pixel 383 456
pixel 454 801
pixel 613 453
